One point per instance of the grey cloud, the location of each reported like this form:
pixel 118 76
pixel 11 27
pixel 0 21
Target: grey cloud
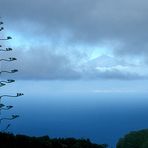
pixel 47 65
pixel 42 64
pixel 106 67
pixel 77 22
pixel 115 74
pixel 85 20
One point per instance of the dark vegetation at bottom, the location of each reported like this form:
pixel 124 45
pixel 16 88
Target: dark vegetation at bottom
pixel 8 140
pixel 134 139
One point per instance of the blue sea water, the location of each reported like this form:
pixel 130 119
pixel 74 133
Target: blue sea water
pixel 101 117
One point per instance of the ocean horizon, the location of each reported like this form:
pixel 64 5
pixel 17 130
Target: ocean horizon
pixel 101 117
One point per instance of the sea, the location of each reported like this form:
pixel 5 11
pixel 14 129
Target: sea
pixel 101 116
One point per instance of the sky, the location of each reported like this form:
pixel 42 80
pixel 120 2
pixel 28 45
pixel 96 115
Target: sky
pixel 90 40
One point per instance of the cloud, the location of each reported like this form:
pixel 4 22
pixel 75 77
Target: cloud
pixel 71 26
pixel 112 73
pixel 108 67
pixel 42 64
pixel 82 20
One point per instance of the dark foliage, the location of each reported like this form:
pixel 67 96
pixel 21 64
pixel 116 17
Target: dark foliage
pixel 8 140
pixel 136 139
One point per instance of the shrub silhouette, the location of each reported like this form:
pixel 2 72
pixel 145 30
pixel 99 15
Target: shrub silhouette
pixel 136 139
pixel 8 140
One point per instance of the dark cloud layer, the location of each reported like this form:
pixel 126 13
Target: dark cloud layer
pixel 84 20
pixel 41 64
pixel 78 22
